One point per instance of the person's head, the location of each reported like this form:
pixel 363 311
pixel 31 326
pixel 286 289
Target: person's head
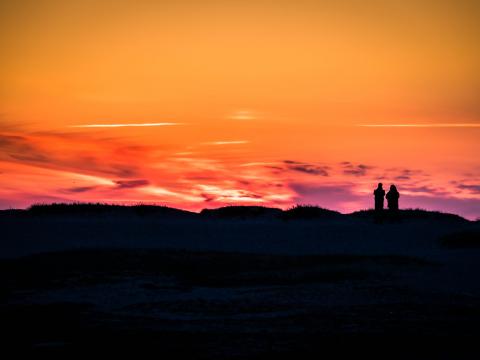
pixel 393 188
pixel 380 185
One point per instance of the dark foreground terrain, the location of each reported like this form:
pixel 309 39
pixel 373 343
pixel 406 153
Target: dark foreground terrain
pixel 242 287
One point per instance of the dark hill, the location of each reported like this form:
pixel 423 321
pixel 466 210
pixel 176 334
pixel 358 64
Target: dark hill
pixel 309 212
pixel 242 212
pixel 299 212
pixel 98 209
pixel 407 214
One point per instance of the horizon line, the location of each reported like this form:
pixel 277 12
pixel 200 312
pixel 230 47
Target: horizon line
pixel 136 203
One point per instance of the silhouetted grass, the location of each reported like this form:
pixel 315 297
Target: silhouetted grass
pixel 309 212
pixel 407 214
pixel 103 209
pixel 242 212
pixel 300 212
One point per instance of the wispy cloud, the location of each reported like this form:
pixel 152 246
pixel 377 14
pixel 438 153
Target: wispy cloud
pixel 242 115
pixel 435 125
pixel 424 190
pixel 228 195
pixel 355 170
pixel 228 142
pixel 407 174
pixel 119 185
pixel 130 184
pixel 257 163
pixel 126 125
pixel 80 189
pixel 311 169
pixel 472 188
pixel 166 194
pixel 34 150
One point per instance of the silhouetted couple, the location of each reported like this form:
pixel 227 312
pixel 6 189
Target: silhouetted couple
pixel 392 197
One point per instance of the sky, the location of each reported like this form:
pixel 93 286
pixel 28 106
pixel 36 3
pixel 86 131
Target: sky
pixel 200 104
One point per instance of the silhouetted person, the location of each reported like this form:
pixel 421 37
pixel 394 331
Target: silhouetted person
pixel 392 198
pixel 379 194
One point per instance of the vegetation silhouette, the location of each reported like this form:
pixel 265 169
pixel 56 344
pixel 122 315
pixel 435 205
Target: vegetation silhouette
pixel 87 209
pixel 241 212
pixel 249 212
pixel 408 214
pixel 309 212
pixel 298 212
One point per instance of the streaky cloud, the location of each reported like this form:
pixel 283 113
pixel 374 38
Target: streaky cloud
pixel 232 142
pixel 434 125
pixel 242 115
pixel 126 125
pixel 130 184
pixel 80 189
pixel 257 163
pixel 307 168
pixel 472 188
pixel 355 170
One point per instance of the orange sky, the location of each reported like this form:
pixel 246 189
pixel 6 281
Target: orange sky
pixel 260 102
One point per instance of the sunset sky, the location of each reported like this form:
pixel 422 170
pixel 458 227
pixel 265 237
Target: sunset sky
pixel 199 104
